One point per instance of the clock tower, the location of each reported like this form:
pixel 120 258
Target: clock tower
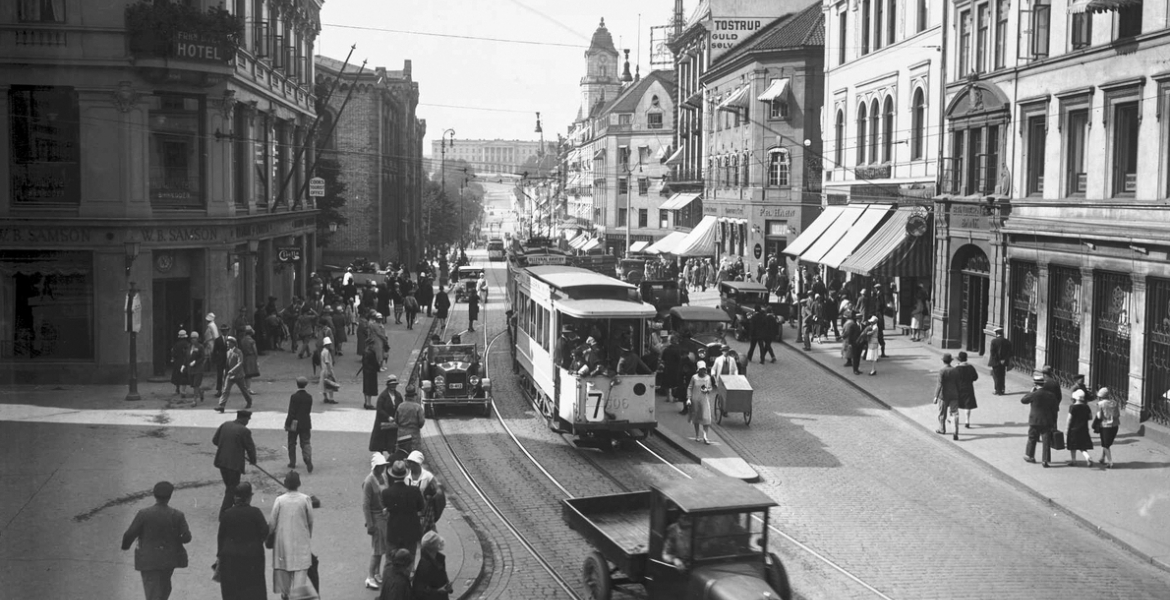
pixel 600 83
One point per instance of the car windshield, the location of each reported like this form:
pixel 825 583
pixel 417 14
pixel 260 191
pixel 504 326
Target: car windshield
pixel 730 535
pixel 470 274
pixel 441 354
pixel 697 328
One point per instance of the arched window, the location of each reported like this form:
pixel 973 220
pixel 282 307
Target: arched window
pixel 875 120
pixel 778 167
pixel 861 134
pixel 918 125
pixel 839 140
pixel 888 130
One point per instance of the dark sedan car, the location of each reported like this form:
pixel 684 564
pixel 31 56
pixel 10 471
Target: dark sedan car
pixel 453 376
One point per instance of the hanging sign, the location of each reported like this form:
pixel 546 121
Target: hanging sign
pixel 288 253
pixel 316 187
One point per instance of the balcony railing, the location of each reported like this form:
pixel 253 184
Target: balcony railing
pixel 175 31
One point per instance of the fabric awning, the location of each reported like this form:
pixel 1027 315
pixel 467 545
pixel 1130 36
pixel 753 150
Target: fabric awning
pixel 679 201
pixel 639 246
pixel 661 154
pixel 666 244
pixel 675 158
pixel 833 234
pixel 591 244
pixel 1080 6
pixel 866 224
pixel 700 241
pixel 735 101
pixel 774 91
pixel 893 252
pixel 570 238
pixel 599 154
pixel 813 231
pixel 579 241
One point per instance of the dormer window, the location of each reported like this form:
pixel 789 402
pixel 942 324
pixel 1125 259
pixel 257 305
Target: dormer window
pixel 624 118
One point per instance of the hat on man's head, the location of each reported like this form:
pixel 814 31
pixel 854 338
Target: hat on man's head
pixel 243 490
pixel 210 317
pixel 248 329
pixel 1038 377
pixel 195 334
pixel 1079 377
pixel 1046 369
pixel 947 358
pixel 243 413
pixel 391 379
pixel 302 381
pixel 411 391
pixel 962 356
pixel 568 330
pixel 725 348
pixel 998 330
pixel 415 457
pixel 182 333
pixel 398 470
pixel 591 341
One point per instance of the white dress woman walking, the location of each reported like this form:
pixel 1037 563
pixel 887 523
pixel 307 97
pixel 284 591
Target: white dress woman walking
pixel 873 350
pixel 699 401
pixel 328 376
pixel 291 524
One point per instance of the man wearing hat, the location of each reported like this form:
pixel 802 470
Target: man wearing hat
pixel 161 532
pixel 397 584
pixel 410 419
pixel 404 506
pixel 384 437
pixel 234 445
pixel 234 375
pixel 179 354
pixel 947 394
pixel 372 487
pixel 998 357
pixel 1042 418
pixel 563 353
pixel 299 424
pixel 196 365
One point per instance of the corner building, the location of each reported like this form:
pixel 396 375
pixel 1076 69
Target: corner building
pixel 1051 221
pixel 147 143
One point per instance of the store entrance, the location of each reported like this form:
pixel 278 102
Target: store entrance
pixel 171 303
pixel 973 270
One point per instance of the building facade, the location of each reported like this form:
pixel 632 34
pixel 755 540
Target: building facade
pixel 159 147
pixel 491 156
pixel 762 140
pixel 377 139
pixel 1052 220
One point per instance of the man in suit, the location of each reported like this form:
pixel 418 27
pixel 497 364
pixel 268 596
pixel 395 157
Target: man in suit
pixel 850 335
pixel 1041 419
pixel 233 441
pixel 403 505
pixel 161 532
pixel 1051 384
pixel 234 375
pixel 967 399
pixel 947 394
pixel 299 424
pixel 998 357
pixel 563 352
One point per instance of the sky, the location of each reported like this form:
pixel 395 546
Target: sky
pixel 489 89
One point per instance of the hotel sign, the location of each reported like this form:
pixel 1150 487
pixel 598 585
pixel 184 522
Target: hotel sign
pixel 198 48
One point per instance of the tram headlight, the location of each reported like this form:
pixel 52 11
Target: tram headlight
pixel 440 383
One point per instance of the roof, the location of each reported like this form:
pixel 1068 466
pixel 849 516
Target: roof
pixel 709 494
pixel 602 40
pixel 699 313
pixel 570 277
pixel 745 286
pixel 802 29
pixel 628 99
pixel 593 308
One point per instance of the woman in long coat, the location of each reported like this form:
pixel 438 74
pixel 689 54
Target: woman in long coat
pixel 442 306
pixel 472 308
pixel 699 398
pixel 386 439
pixel 1077 429
pixel 370 365
pixel 430 576
pixel 340 335
pixel 425 293
pixel 377 332
pixel 363 334
pixel 292 553
pixel 248 349
pixel 327 373
pixel 240 549
pixel 196 365
pixel 179 354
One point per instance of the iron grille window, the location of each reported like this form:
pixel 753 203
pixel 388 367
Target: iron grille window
pixel 1025 304
pixel 1111 331
pixel 1064 322
pixel 1157 356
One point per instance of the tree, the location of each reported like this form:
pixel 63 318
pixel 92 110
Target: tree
pixel 330 204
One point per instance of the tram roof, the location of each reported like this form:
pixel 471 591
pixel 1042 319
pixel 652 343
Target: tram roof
pixel 563 277
pixel 718 493
pixel 604 308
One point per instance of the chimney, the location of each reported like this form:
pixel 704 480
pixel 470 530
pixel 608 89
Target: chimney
pixel 406 69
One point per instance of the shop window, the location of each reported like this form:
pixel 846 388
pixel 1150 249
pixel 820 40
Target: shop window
pixel 44 144
pixel 918 127
pixel 1125 148
pixel 1076 138
pixel 47 303
pixel 778 166
pixel 176 151
pixel 41 11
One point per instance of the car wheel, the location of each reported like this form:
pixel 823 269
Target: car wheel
pixel 597 578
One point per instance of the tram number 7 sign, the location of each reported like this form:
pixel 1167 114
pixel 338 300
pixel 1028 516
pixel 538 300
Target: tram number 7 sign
pixel 594 405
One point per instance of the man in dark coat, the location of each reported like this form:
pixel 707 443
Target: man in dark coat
pixel 563 351
pixel 240 549
pixel 1051 384
pixel 161 532
pixel 947 395
pixel 472 308
pixel 757 333
pixel 670 361
pixel 299 424
pixel 404 505
pixel 1041 419
pixel 426 292
pixel 999 355
pixel 967 400
pixel 850 332
pixel 233 441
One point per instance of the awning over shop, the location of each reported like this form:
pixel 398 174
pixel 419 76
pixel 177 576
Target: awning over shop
pixel 813 232
pixel 600 154
pixel 590 245
pixel 578 241
pixel 666 244
pixel 834 233
pixel 675 158
pixel 661 154
pixel 856 235
pixel 700 241
pixel 679 201
pixel 894 252
pixel 1080 6
pixel 774 91
pixel 639 246
pixel 735 101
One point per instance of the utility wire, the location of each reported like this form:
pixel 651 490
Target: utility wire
pixel 454 36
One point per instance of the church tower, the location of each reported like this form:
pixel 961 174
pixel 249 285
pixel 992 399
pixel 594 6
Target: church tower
pixel 600 83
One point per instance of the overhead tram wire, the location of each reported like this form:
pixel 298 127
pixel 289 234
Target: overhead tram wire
pixel 455 36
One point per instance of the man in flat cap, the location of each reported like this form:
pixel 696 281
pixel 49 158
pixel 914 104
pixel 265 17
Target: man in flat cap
pixel 161 532
pixel 299 424
pixel 234 375
pixel 233 441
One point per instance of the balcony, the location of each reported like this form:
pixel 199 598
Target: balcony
pixel 174 42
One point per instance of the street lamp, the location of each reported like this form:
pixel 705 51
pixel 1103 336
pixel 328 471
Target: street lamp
pixel 443 145
pixel 133 315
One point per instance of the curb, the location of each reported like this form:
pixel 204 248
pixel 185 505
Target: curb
pixel 710 464
pixel 996 471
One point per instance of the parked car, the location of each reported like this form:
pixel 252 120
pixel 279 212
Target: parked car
pixel 465 280
pixel 739 299
pixel 665 294
pixel 453 375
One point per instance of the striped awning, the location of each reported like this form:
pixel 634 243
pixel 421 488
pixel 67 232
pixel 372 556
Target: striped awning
pixel 591 244
pixel 893 252
pixel 675 158
pixel 833 234
pixel 679 201
pixel 1080 6
pixel 639 246
pixel 813 232
pixel 579 241
pixel 735 101
pixel 866 224
pixel 666 244
pixel 774 91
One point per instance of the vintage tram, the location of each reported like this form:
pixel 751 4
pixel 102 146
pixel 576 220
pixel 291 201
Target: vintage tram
pixel 598 406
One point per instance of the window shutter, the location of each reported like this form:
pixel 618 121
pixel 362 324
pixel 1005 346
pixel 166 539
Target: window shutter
pixel 1041 19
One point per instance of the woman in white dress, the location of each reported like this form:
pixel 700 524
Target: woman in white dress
pixel 699 401
pixel 291 524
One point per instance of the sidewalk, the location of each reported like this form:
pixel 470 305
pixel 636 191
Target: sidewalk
pixel 80 461
pixel 676 430
pixel 1129 503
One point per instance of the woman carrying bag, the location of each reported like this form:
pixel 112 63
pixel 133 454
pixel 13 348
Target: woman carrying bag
pixel 699 401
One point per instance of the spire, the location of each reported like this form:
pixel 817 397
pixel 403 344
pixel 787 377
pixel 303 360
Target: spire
pixel 626 77
pixel 602 40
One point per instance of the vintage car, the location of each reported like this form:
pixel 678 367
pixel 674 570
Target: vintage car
pixel 465 280
pixel 698 327
pixel 453 375
pixel 739 299
pixel 664 294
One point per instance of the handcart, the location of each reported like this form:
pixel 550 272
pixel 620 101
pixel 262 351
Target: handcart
pixel 733 394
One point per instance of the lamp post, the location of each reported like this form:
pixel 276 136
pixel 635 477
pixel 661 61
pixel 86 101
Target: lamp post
pixel 133 312
pixel 443 145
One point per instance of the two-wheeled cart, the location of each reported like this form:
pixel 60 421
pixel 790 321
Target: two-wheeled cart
pixel 733 394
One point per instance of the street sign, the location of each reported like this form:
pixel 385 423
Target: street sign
pixel 288 253
pixel 316 187
pixel 133 311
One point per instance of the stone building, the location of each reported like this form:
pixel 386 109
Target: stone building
pixel 378 142
pixel 142 147
pixel 490 156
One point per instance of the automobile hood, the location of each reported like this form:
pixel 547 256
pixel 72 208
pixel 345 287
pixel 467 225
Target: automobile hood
pixel 733 582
